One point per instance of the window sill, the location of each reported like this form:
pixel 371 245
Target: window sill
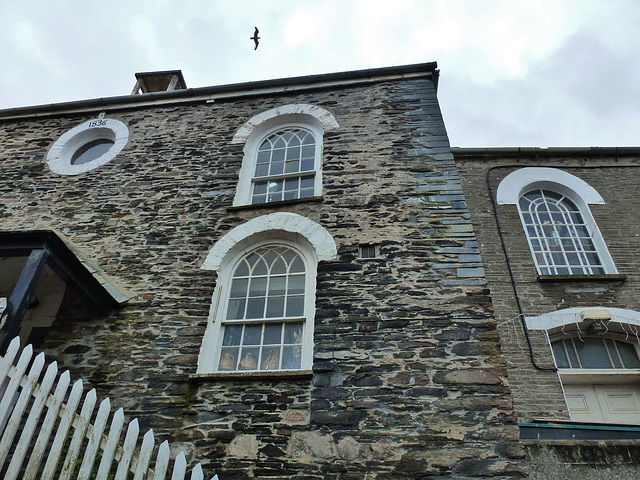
pixel 275 204
pixel 273 374
pixel 605 277
pixel 571 433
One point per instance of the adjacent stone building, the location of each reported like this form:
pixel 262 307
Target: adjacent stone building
pixel 282 277
pixel 560 238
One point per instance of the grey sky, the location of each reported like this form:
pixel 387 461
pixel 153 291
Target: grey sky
pixel 526 73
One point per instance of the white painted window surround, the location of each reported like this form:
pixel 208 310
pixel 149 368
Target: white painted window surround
pixel 309 117
pixel 525 180
pixel 286 231
pixel 596 395
pixel 113 135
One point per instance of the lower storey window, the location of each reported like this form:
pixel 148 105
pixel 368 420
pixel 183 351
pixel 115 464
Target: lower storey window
pixel 261 346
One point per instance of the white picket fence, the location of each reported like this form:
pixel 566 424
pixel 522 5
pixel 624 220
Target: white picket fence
pixel 88 453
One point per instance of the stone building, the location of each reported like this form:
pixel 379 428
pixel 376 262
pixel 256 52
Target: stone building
pixel 559 237
pixel 281 276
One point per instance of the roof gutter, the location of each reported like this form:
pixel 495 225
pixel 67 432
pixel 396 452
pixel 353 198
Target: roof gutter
pixel 237 90
pixel 528 152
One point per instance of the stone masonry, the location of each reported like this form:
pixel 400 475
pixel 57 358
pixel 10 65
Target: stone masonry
pixel 408 377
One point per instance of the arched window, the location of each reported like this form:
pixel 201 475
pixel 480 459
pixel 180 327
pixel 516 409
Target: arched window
pixel 596 351
pixel 559 238
pixel 285 166
pixel 554 209
pixel 282 154
pixel 263 306
pixel 265 314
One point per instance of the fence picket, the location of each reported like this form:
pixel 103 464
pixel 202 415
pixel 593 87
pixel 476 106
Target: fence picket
pixel 9 393
pixel 128 448
pixel 22 396
pixel 29 428
pixel 162 461
pixel 112 443
pixel 179 467
pixel 91 449
pixel 63 430
pixel 16 415
pixel 47 426
pixel 78 435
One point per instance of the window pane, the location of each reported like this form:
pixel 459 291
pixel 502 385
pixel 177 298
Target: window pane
pixel 249 359
pixel 232 335
pixel 628 354
pixel 296 284
pixel 277 285
pixel 279 267
pixel 592 353
pixel 252 335
pixel 573 357
pixel 235 311
pixel 270 358
pixel 560 355
pixel 275 307
pixel 272 334
pixel 293 333
pixel 258 287
pixel 228 359
pixel 291 357
pixel 295 306
pixel 255 308
pixel 239 288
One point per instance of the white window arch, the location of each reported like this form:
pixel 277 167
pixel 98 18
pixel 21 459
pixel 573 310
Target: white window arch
pixel 263 306
pixel 561 232
pixel 282 154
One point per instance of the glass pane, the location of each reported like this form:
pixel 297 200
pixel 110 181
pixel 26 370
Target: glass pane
pixel 277 285
pixel 278 142
pixel 275 307
pixel 276 168
pixel 295 306
pixel 279 267
pixel 290 195
pixel 255 308
pixel 297 266
pixel 228 359
pixel 91 151
pixel 249 359
pixel 260 188
pixel 239 287
pixel 264 156
pixel 270 358
pixel 306 182
pixel 613 353
pixel 293 333
pixel 262 170
pixel 235 310
pixel 573 358
pixel 292 166
pixel 628 354
pixel 291 357
pixel 277 156
pixel 306 164
pixel 293 153
pixel 232 335
pixel 592 353
pixel 259 199
pixel 272 334
pixel 560 355
pixel 258 287
pixel 296 284
pixel 308 151
pixel 252 335
pixel 242 270
pixel 260 268
pixel 291 184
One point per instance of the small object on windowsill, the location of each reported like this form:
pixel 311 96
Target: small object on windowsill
pixel 603 277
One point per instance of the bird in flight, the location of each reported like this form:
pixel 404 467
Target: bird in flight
pixel 255 38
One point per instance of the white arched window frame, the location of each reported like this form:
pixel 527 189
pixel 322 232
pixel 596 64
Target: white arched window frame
pixel 284 232
pixel 297 178
pixel 565 240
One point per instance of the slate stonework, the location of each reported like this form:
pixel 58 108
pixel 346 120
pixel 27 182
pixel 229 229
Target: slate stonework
pixel 408 378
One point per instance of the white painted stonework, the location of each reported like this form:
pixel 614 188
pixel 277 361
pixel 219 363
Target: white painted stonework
pixel 59 156
pixel 513 185
pixel 321 241
pixel 293 112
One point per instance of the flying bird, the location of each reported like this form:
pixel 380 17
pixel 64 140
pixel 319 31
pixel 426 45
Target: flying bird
pixel 255 38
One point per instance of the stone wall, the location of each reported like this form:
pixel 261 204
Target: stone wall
pixel 408 382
